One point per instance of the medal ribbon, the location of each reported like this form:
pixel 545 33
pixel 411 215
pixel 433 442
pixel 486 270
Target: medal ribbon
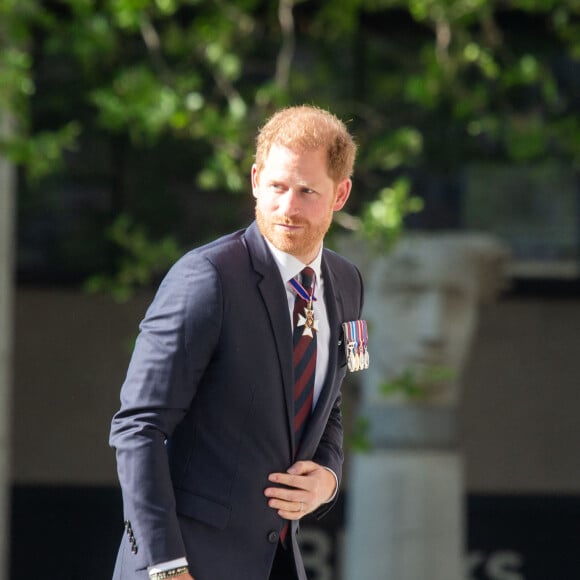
pixel 360 335
pixel 357 339
pixel 353 334
pixel 301 291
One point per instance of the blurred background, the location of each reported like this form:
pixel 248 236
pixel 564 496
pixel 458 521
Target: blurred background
pixel 126 138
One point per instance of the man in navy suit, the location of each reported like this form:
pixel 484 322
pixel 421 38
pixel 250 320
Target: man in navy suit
pixel 214 483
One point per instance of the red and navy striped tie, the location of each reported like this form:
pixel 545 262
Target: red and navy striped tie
pixel 304 366
pixel 304 359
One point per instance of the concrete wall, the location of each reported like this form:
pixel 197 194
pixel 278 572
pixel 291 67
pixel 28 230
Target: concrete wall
pixel 71 353
pixel 519 413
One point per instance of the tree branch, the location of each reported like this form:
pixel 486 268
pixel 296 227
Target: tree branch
pixel 153 44
pixel 286 54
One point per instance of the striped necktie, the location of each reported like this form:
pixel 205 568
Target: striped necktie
pixel 304 353
pixel 304 338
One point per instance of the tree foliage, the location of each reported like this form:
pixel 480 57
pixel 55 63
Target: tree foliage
pixel 427 85
pixel 209 70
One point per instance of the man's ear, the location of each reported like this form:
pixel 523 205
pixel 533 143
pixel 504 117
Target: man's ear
pixel 342 194
pixel 254 180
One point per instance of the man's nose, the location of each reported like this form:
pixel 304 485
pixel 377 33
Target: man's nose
pixel 290 203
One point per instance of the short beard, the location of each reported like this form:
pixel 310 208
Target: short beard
pixel 299 245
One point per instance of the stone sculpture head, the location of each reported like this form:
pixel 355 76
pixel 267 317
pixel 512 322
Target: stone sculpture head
pixel 422 302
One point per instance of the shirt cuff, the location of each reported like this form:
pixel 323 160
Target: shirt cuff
pixel 336 486
pixel 164 566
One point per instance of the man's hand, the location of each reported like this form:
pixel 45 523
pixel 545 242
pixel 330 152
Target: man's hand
pixel 307 486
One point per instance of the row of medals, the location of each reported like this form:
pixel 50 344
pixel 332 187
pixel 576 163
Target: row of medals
pixel 358 359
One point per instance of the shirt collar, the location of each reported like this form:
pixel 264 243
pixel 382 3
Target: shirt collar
pixel 290 266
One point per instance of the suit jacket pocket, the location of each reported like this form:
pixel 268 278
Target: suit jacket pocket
pixel 202 509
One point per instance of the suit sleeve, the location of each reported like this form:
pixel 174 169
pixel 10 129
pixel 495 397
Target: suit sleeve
pixel 330 453
pixel 176 341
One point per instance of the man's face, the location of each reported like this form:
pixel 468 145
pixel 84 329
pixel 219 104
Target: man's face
pixel 295 200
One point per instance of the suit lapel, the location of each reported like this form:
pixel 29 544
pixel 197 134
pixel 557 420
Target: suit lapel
pixel 271 288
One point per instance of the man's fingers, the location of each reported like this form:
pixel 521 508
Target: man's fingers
pixel 302 467
pixel 301 490
pixel 294 496
pixel 289 510
pixel 290 503
pixel 295 507
pixel 289 480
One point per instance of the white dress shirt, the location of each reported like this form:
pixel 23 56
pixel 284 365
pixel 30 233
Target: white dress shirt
pixel 290 267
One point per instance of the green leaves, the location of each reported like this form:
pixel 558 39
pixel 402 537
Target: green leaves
pixel 15 76
pixel 418 385
pixel 42 154
pixel 430 85
pixel 138 104
pixel 140 260
pixel 400 148
pixel 447 10
pixel 382 219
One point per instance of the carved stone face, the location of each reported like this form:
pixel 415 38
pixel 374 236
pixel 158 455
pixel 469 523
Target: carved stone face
pixel 422 303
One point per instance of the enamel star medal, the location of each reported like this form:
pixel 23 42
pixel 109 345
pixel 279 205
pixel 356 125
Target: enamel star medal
pixel 307 320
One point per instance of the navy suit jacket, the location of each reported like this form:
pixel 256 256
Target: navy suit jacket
pixel 207 411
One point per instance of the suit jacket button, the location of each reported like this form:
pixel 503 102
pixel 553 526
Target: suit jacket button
pixel 273 537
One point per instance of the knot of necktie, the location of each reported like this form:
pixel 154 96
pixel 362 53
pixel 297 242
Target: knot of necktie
pixel 307 278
